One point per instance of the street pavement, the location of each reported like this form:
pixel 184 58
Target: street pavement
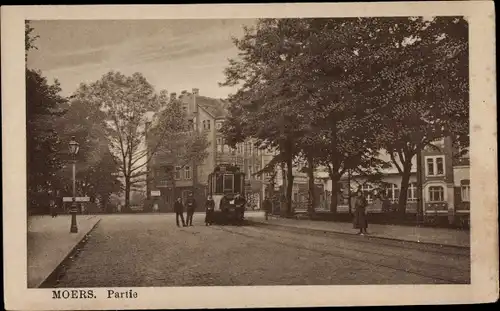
pixel 50 242
pixel 150 250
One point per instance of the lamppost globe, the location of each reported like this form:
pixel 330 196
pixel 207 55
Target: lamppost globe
pixel 74 146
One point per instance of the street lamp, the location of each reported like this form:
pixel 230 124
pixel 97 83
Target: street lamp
pixel 73 150
pixel 147 125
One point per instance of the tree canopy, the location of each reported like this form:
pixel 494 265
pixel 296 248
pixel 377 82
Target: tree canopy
pixel 337 91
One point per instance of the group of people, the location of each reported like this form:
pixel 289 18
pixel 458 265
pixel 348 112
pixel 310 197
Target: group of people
pixel 191 206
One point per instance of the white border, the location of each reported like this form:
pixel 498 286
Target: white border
pixel 484 230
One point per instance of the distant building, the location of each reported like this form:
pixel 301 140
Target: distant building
pixel 445 186
pixel 207 116
pixel 446 182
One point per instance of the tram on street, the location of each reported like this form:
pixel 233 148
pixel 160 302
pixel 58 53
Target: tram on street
pixel 224 184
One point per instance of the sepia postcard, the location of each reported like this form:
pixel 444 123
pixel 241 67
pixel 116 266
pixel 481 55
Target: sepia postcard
pixel 250 155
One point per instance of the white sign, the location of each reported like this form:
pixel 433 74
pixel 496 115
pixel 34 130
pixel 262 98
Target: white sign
pixel 155 193
pixel 77 199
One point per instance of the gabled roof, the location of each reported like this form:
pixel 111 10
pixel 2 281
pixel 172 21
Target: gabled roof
pixel 217 108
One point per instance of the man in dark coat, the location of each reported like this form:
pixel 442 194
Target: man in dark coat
pixel 191 206
pixel 179 212
pixel 240 202
pixel 267 205
pixel 209 210
pixel 360 222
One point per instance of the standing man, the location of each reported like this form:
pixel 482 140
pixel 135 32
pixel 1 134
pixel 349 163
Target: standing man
pixel 267 207
pixel 191 206
pixel 240 202
pixel 209 210
pixel 179 212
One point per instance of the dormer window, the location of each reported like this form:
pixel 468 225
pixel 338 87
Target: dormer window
pixel 218 125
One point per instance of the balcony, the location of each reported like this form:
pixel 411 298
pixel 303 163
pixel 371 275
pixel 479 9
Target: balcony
pixel 436 207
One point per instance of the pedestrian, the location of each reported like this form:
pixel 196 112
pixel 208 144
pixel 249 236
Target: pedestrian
pixel 179 212
pixel 209 210
pixel 53 211
pixel 267 207
pixel 239 202
pixel 191 207
pixel 360 222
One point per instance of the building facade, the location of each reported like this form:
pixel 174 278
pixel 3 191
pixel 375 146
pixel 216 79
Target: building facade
pixel 446 183
pixel 206 115
pixel 445 176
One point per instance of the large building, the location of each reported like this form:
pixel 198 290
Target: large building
pixel 207 115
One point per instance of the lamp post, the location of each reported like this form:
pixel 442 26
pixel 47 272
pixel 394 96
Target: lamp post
pixel 73 151
pixel 147 126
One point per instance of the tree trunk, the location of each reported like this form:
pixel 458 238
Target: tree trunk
pixel 334 198
pixel 289 184
pixel 127 194
pixel 312 196
pixel 405 180
pixel 349 194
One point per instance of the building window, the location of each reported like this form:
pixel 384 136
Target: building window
pixel 187 172
pixel 465 190
pixel 218 125
pixel 412 192
pixel 228 182
pixel 367 191
pixel 177 175
pixel 434 166
pixel 392 192
pixel 436 194
pixel 206 125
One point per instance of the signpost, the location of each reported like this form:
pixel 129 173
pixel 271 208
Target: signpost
pixel 77 199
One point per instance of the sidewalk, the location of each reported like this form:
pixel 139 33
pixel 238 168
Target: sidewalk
pixel 50 242
pixel 451 237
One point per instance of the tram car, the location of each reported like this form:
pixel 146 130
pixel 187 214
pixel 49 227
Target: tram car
pixel 224 183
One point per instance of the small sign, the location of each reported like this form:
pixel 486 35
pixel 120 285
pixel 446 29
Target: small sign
pixel 155 193
pixel 77 199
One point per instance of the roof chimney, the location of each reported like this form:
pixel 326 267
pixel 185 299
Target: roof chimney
pixel 173 96
pixel 196 91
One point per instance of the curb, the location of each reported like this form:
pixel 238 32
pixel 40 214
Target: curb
pixel 352 234
pixel 54 273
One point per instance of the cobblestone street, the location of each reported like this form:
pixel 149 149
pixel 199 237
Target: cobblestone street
pixel 149 250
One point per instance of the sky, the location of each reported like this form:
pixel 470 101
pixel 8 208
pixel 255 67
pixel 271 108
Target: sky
pixel 173 55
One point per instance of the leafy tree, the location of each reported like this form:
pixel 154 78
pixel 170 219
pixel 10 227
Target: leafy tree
pixel 29 39
pixel 96 165
pixel 43 106
pixel 124 101
pixel 297 83
pixel 263 107
pixel 422 84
